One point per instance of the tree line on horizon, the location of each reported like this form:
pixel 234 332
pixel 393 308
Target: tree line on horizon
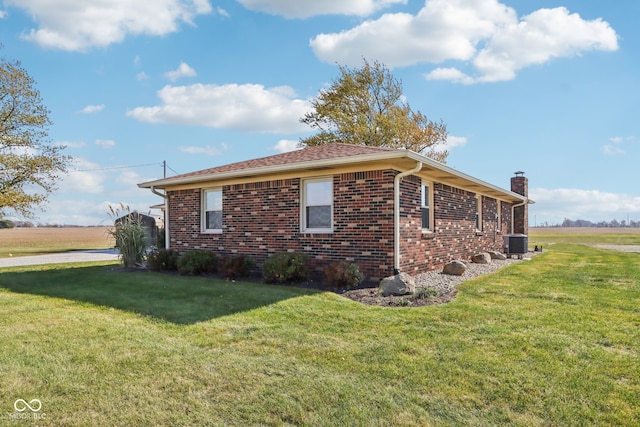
pixel 614 223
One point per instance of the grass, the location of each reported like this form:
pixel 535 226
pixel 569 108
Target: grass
pixel 584 236
pixel 43 240
pixel 552 341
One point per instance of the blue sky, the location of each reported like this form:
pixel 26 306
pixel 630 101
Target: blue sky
pixel 551 88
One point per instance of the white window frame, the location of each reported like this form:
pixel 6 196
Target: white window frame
pixel 203 210
pixel 303 205
pixel 479 212
pixel 431 222
pixel 499 216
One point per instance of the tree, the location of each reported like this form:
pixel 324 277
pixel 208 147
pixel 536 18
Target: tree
pixel 365 106
pixel 29 165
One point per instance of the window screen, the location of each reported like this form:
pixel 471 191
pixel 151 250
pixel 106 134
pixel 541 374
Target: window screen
pixel 426 220
pixel 212 210
pixel 318 204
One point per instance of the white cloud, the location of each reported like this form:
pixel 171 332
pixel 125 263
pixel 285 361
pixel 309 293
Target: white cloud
pixel 248 107
pixel 77 26
pixel 142 76
pixel 86 177
pixel 307 8
pixel 485 34
pixel 206 150
pixel 222 12
pixel 553 205
pixel 183 70
pixel 539 37
pixel 612 149
pixel 62 211
pixel 286 145
pixel 89 109
pixel 3 14
pixel 85 212
pixel 452 74
pixel 70 144
pixel 617 139
pixel 105 143
pixel 451 142
pixel 615 146
pixel 129 178
pixel 456 141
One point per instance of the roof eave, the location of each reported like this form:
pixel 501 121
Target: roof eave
pixel 332 162
pixel 266 170
pixel 463 176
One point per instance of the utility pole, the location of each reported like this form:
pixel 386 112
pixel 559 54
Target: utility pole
pixel 164 166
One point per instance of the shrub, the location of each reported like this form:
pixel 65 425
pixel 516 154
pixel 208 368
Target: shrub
pixel 6 223
pixel 130 235
pixel 342 275
pixel 285 267
pixel 197 261
pixel 237 266
pixel 163 260
pixel 161 239
pixel 425 293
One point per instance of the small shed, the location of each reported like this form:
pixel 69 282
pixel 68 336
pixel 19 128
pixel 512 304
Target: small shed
pixel 148 221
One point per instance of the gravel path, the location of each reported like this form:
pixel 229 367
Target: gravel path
pixel 444 283
pixel 65 257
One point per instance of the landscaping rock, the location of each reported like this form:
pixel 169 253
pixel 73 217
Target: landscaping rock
pixel 400 284
pixel 497 255
pixel 454 268
pixel 482 258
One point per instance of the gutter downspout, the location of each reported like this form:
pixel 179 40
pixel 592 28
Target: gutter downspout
pixel 396 215
pixel 166 215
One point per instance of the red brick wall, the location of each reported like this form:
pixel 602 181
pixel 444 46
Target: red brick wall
pixel 520 185
pixel 262 218
pixel 455 235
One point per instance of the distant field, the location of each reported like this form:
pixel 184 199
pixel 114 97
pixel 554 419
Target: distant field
pixel 37 241
pixel 584 235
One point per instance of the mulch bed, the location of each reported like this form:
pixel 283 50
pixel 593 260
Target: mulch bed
pixel 370 296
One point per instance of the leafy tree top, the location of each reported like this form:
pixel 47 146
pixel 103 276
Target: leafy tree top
pixel 366 106
pixel 29 165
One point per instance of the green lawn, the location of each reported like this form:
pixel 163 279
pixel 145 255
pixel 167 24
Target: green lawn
pixel 552 341
pixel 584 236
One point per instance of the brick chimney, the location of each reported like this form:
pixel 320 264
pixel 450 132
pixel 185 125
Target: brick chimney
pixel 520 185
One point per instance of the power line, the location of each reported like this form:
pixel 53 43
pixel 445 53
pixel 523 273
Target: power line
pixel 172 170
pixel 116 167
pixel 126 167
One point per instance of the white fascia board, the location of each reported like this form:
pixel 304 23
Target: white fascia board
pixel 317 164
pixel 444 168
pixel 265 170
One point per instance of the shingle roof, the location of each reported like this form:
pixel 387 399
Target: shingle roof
pixel 309 154
pixel 333 155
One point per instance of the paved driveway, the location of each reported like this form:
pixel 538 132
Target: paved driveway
pixel 73 256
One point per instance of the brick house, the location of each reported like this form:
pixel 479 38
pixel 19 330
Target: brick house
pixel 385 210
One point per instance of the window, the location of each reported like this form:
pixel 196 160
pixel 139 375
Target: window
pixel 317 205
pixel 212 211
pixel 425 201
pixel 479 212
